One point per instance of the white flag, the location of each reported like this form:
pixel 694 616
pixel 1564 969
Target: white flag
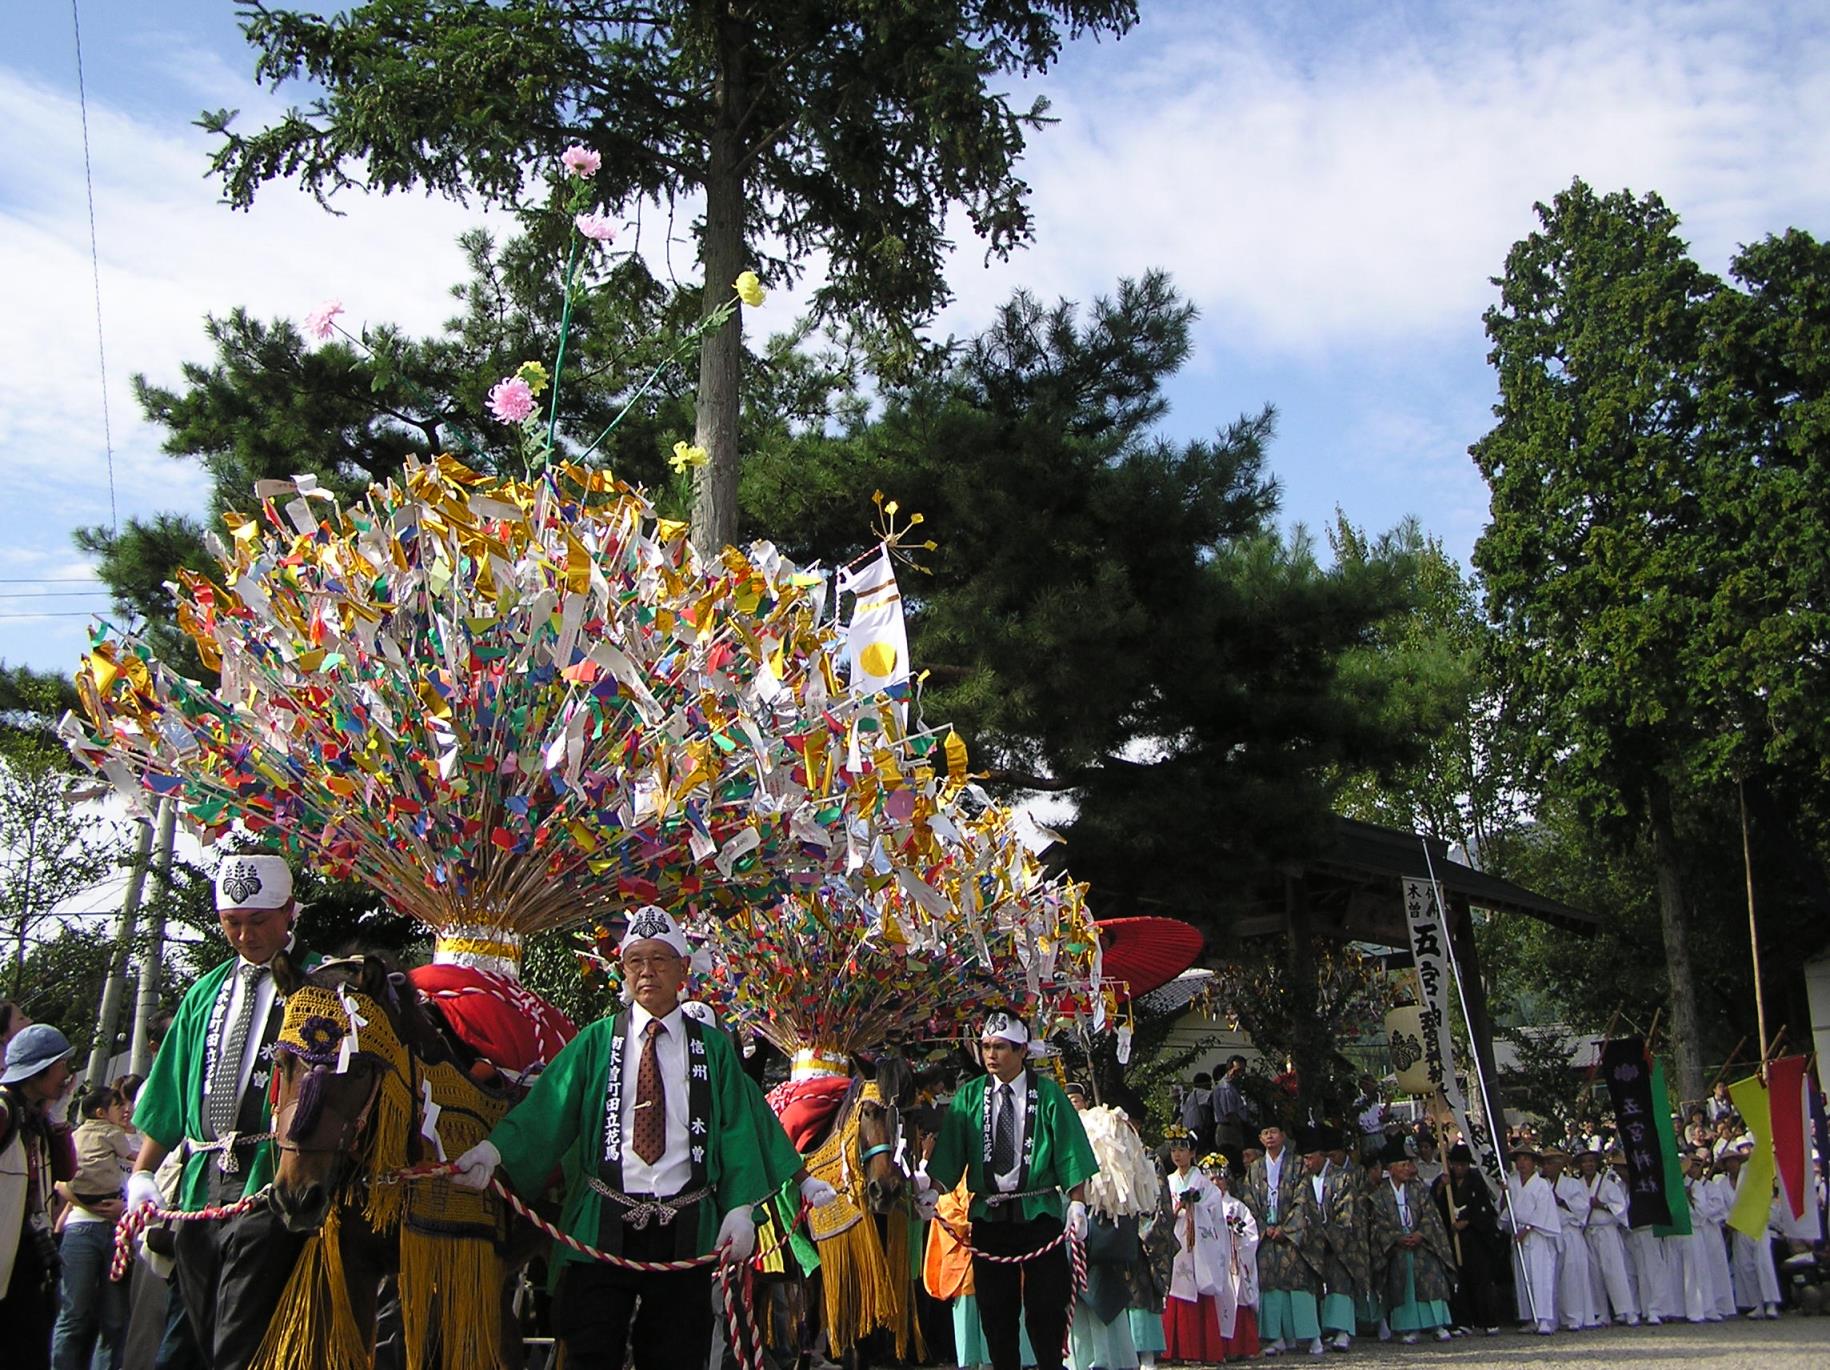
pixel 877 645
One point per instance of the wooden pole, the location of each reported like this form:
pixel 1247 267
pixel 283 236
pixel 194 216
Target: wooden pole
pixel 1722 1074
pixel 1753 928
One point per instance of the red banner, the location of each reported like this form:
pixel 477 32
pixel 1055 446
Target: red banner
pixel 1785 1084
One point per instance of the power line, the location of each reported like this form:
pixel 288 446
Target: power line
pixel 57 613
pixel 95 265
pixel 50 580
pixel 52 594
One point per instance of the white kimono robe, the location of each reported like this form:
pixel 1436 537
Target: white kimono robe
pixel 1575 1291
pixel 1692 1279
pixel 1242 1229
pixel 1610 1276
pixel 1532 1209
pixel 1718 1201
pixel 1206 1271
pixel 1756 1278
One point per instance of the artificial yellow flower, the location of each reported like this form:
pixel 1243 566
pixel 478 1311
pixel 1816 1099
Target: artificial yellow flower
pixel 749 289
pixel 534 374
pixel 685 456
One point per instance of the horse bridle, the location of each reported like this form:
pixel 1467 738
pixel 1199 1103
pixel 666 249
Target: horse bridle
pixel 351 1130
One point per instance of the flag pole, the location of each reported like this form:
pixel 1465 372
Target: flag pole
pixel 1753 928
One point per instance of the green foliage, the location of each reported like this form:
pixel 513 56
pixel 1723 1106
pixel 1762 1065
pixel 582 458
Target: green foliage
pixel 856 124
pixel 1656 570
pixel 50 849
pixel 1438 664
pixel 1108 615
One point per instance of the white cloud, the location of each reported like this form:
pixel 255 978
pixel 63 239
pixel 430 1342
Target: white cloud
pixel 169 254
pixel 1318 195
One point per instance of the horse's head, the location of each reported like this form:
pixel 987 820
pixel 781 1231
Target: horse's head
pixel 341 1087
pixel 882 1142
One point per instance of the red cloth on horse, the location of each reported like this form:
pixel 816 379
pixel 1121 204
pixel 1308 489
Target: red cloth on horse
pixel 805 1107
pixel 502 1020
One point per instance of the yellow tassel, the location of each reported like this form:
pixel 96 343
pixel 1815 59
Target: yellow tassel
pixel 451 1284
pixel 314 1324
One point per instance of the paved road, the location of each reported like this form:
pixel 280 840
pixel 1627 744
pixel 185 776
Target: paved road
pixel 1791 1343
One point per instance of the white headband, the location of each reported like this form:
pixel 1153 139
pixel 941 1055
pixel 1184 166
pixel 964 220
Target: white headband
pixel 652 924
pixel 1005 1027
pixel 253 882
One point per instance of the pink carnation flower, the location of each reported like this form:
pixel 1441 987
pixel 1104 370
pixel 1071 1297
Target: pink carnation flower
pixel 581 160
pixel 596 226
pixel 511 400
pixel 322 321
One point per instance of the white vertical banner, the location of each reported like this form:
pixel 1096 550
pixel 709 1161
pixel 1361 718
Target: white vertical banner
pixel 1435 972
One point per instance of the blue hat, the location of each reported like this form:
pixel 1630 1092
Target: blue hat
pixel 34 1049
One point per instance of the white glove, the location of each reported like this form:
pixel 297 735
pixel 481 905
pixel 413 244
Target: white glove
pixel 816 1193
pixel 477 1166
pixel 1077 1220
pixel 143 1189
pixel 927 1204
pixel 737 1236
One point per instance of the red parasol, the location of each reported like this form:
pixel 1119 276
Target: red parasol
pixel 1143 954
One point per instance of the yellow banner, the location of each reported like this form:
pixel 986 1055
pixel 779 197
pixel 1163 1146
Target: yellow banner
pixel 1754 1197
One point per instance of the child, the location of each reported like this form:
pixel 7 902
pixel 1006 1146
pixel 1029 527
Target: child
pixel 1241 1342
pixel 1200 1307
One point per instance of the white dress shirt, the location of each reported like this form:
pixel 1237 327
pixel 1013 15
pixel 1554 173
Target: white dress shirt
pixel 1018 1100
pixel 673 1170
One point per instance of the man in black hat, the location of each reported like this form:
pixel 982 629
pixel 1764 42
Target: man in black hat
pixel 1415 1264
pixel 1289 1286
pixel 1537 1234
pixel 1473 1225
pixel 1336 1245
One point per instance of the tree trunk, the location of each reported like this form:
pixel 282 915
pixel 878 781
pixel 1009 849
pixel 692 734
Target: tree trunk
pixel 1308 1049
pixel 721 251
pixel 1685 1031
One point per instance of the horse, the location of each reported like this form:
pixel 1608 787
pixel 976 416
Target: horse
pixel 368 1081
pixel 861 1292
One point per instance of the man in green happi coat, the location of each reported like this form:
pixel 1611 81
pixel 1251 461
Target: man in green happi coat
pixel 1289 1277
pixel 1019 1142
pixel 1416 1262
pixel 208 1091
pixel 666 1146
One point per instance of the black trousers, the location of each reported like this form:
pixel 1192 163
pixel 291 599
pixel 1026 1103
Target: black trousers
pixel 231 1275
pixel 28 1308
pixel 665 1320
pixel 1037 1290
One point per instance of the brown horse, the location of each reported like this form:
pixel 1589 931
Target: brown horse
pixel 360 1060
pixel 860 1292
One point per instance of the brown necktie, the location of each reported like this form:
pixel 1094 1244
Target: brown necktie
pixel 650 1099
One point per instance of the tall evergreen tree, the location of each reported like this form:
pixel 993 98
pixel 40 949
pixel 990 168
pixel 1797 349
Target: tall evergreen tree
pixel 846 127
pixel 1592 561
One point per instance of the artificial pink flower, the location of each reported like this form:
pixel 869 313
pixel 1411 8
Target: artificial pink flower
pixel 595 226
pixel 581 160
pixel 322 321
pixel 511 400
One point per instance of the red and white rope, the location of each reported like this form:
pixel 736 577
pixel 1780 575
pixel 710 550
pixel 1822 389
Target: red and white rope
pixel 135 1221
pixel 1077 1269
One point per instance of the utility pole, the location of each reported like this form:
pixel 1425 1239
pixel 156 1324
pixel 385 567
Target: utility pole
pixel 154 960
pixel 114 987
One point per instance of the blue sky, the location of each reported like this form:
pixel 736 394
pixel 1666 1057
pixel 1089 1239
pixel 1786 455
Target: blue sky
pixel 1332 184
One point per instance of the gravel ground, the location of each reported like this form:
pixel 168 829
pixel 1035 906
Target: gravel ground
pixel 1792 1341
